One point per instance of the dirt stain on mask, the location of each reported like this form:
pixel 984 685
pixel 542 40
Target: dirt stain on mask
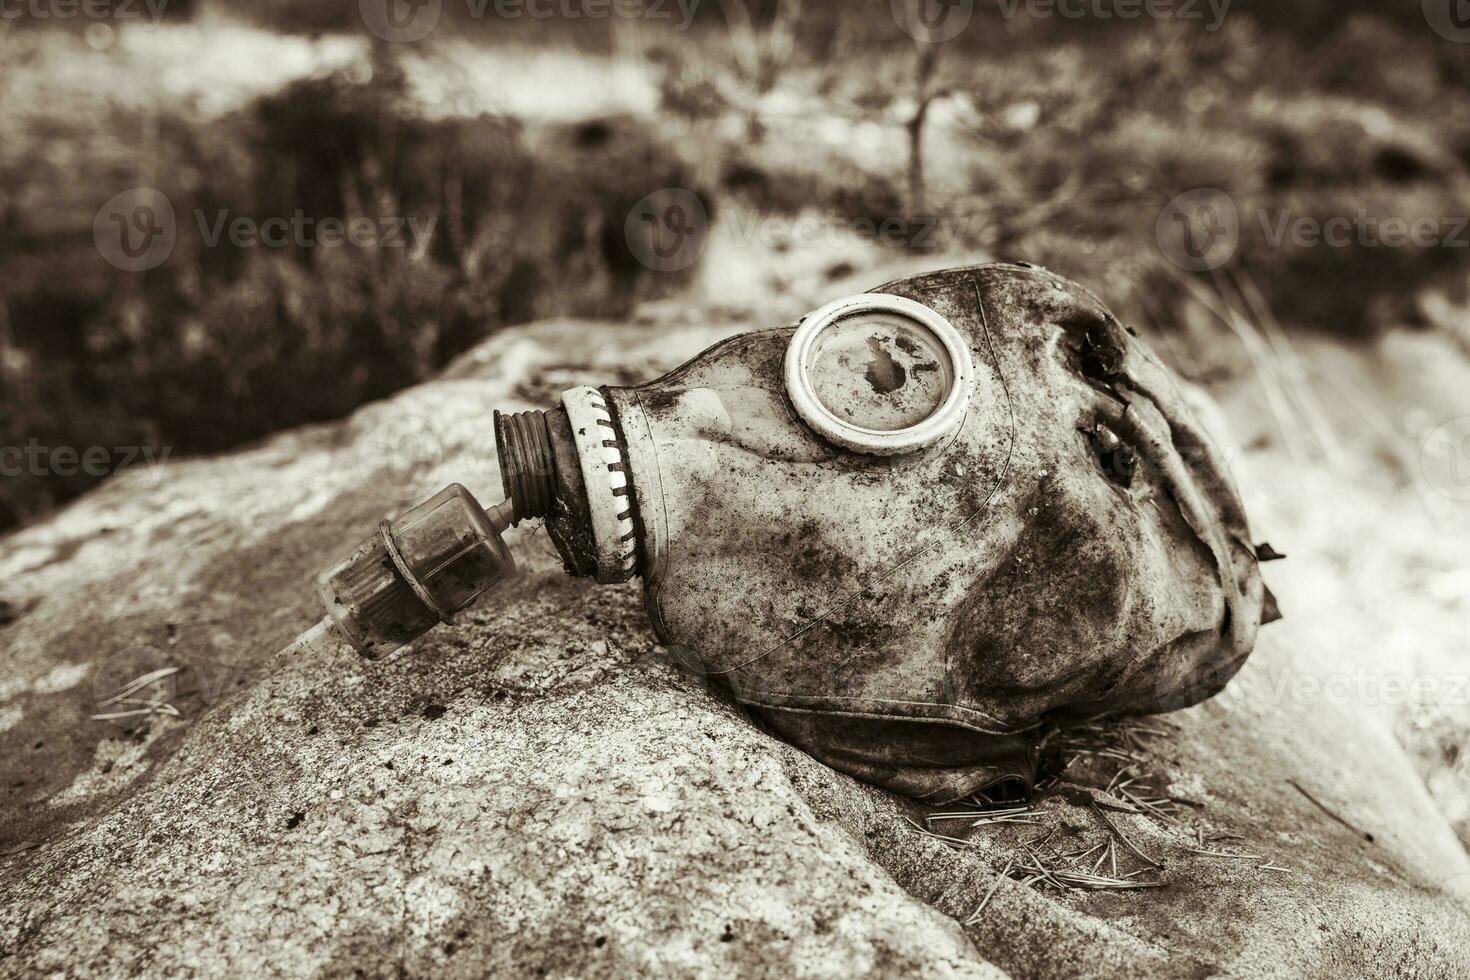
pixel 884 373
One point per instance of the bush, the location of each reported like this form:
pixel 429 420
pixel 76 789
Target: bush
pixel 222 344
pixel 1121 131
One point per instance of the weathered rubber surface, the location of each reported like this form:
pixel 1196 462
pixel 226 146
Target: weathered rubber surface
pixel 1077 548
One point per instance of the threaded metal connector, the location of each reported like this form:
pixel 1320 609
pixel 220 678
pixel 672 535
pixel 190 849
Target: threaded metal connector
pixel 527 462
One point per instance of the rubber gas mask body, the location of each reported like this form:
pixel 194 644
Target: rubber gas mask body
pixel 908 533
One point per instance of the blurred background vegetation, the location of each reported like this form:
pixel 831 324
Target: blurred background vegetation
pixel 528 141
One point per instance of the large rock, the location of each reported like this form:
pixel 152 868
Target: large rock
pixel 539 790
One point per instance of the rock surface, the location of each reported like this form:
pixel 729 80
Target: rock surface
pixel 538 790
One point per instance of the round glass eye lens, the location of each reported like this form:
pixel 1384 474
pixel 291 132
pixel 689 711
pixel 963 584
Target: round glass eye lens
pixel 880 370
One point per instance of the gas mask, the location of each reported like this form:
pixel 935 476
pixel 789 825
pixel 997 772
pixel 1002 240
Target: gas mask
pixel 910 533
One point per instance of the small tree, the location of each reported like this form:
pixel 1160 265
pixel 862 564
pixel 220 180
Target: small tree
pixel 928 35
pixel 760 52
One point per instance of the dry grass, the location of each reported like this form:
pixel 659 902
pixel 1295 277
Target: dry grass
pixel 1132 790
pixel 1095 868
pixel 974 818
pixel 140 697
